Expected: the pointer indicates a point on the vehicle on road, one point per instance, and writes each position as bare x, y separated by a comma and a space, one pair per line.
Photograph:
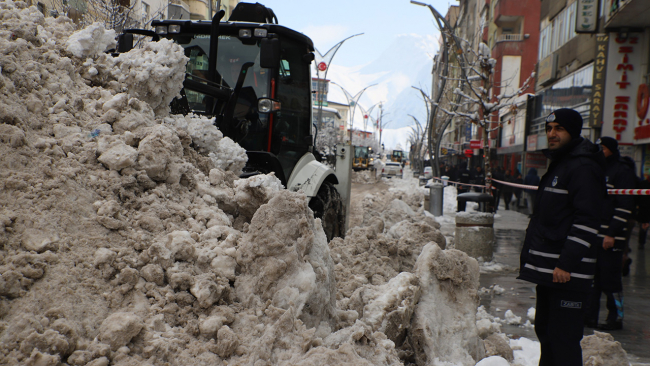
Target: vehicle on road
428, 172
362, 157
254, 76
392, 169
397, 156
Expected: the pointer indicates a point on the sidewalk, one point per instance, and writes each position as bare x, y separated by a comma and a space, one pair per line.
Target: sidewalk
519, 295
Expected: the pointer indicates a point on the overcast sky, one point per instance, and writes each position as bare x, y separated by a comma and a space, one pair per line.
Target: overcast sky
327, 22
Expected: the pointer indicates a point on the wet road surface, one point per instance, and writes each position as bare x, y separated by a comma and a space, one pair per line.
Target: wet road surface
519, 295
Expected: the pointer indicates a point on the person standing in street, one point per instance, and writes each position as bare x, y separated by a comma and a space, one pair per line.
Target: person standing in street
559, 251
518, 191
531, 179
616, 215
643, 213
498, 174
478, 177
507, 190
464, 176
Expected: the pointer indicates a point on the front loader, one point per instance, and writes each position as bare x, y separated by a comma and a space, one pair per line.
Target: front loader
254, 77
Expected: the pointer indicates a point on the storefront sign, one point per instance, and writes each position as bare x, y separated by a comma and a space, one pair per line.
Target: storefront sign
475, 144
535, 160
598, 90
546, 69
642, 131
532, 143
469, 152
587, 16
624, 73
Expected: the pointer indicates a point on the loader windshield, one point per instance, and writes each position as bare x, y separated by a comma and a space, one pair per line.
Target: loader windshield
286, 133
250, 128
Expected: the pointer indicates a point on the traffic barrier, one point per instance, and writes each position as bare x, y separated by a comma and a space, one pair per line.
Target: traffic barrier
620, 192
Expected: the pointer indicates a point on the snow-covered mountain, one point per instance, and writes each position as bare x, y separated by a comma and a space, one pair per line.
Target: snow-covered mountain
405, 62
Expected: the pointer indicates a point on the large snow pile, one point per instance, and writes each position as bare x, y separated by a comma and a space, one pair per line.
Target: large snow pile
127, 238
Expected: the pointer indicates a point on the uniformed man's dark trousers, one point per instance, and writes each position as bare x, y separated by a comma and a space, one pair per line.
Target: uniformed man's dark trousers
559, 323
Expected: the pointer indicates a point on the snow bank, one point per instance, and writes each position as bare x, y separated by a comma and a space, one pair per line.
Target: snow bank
126, 236
601, 349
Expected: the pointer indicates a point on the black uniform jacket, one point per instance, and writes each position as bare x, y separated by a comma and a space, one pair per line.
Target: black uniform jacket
563, 231
618, 209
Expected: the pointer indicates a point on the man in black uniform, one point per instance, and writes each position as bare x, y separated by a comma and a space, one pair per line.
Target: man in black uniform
559, 252
478, 177
617, 212
464, 176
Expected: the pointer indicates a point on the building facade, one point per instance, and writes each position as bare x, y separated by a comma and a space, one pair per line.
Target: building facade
627, 71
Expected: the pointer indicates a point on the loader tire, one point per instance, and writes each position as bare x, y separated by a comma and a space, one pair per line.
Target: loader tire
328, 207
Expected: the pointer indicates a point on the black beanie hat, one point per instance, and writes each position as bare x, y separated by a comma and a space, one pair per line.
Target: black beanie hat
570, 119
610, 143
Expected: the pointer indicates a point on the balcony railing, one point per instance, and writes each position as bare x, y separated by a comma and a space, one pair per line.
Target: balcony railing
510, 38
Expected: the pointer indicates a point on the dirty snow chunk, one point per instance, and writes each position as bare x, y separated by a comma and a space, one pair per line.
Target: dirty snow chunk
153, 73
498, 290
392, 307
511, 318
157, 151
531, 313
204, 133
493, 361
229, 156
444, 323
486, 324
118, 102
119, 156
526, 351
119, 328
91, 41
601, 349
104, 256
492, 266
285, 258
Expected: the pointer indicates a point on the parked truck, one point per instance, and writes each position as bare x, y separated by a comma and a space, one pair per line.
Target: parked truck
254, 77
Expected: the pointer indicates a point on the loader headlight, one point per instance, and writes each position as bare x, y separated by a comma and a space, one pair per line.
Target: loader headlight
175, 28
260, 32
245, 33
267, 105
161, 29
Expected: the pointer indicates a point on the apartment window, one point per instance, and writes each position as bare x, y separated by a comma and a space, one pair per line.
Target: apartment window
145, 10
560, 31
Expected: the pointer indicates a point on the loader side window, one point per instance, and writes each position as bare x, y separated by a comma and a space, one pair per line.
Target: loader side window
292, 128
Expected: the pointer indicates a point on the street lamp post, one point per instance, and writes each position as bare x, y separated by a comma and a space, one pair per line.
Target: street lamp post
323, 65
445, 31
352, 102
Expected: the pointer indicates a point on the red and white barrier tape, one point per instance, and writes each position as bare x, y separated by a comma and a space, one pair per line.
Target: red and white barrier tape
620, 192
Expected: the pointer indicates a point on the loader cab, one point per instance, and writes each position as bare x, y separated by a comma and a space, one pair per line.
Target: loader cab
275, 135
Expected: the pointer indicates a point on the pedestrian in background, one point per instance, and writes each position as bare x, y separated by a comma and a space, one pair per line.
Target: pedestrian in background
616, 213
643, 213
478, 178
464, 176
498, 174
507, 190
559, 252
518, 191
531, 179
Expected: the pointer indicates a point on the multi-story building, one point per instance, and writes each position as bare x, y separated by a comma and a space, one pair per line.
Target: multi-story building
623, 66
565, 71
513, 37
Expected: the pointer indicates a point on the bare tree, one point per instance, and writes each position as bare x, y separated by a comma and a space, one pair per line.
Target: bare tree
467, 93
113, 14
